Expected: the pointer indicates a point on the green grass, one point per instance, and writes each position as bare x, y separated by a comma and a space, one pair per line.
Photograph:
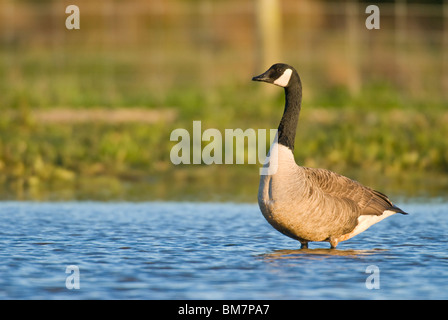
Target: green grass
392, 144
379, 135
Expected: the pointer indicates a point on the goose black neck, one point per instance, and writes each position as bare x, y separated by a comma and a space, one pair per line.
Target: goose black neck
288, 124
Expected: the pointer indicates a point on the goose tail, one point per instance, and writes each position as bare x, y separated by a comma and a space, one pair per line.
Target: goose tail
394, 208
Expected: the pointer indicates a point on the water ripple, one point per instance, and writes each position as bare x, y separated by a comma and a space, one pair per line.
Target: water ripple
211, 251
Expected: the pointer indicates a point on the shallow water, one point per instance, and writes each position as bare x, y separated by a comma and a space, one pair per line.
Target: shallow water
211, 251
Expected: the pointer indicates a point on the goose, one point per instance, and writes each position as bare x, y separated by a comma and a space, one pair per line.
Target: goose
311, 204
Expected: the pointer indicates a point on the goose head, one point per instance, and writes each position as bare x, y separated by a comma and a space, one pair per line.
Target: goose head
279, 74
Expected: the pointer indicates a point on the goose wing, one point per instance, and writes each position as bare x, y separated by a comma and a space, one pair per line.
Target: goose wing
365, 199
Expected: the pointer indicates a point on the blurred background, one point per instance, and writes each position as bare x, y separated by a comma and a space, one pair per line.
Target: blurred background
87, 114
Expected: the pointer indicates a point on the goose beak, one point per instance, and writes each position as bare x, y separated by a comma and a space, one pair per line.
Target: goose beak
262, 77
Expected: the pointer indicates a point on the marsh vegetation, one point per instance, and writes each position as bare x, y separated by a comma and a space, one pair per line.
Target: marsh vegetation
87, 114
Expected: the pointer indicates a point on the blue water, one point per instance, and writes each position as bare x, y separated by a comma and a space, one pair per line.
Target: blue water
211, 251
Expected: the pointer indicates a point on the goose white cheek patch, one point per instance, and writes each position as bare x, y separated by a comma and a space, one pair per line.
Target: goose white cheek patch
284, 79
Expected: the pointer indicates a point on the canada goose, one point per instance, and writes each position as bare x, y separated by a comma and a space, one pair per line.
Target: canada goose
310, 204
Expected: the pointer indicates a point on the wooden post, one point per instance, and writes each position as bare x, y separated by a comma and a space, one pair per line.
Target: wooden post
268, 34
353, 25
58, 29
445, 49
268, 18
108, 43
9, 47
205, 49
400, 24
7, 19
400, 11
109, 31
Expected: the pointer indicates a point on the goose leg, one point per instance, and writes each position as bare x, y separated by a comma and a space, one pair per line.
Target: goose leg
304, 245
333, 242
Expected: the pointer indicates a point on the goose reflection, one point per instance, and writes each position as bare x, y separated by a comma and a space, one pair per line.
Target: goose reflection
317, 253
